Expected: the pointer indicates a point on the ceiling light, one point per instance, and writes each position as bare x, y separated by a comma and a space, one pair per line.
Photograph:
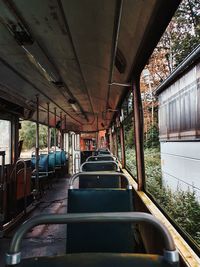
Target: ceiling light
72, 102
40, 60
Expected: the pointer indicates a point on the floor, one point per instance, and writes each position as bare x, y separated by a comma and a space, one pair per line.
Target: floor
44, 239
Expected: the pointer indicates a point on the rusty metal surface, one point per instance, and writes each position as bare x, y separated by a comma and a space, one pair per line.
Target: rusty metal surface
44, 239
74, 39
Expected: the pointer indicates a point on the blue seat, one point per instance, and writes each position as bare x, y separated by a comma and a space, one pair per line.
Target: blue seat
104, 237
99, 166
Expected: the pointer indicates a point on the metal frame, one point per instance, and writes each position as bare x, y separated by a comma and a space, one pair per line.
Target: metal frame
37, 147
138, 126
48, 133
98, 174
122, 145
171, 255
2, 190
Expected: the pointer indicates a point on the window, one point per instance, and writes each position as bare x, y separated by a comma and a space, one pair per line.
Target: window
27, 133
5, 139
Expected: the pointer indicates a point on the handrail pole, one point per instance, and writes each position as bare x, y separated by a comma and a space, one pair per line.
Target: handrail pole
48, 132
37, 146
2, 189
55, 129
61, 132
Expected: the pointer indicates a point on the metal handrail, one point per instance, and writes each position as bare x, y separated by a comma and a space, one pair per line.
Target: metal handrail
13, 257
99, 162
100, 173
2, 186
77, 157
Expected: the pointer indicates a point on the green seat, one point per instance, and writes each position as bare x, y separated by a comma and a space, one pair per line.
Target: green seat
89, 166
99, 181
98, 260
104, 237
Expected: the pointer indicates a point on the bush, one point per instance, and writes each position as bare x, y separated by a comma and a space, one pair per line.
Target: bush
152, 139
182, 206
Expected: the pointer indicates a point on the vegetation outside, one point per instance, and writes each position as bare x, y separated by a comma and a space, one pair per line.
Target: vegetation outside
181, 206
28, 132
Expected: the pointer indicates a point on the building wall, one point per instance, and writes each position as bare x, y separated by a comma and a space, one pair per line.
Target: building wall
179, 130
179, 108
180, 163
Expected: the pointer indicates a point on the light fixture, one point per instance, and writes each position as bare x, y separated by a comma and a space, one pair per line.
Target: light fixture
38, 58
72, 102
34, 52
120, 84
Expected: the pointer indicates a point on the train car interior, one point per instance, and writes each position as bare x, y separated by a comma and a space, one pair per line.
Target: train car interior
66, 67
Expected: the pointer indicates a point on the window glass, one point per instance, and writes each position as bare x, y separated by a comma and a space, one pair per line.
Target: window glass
5, 139
27, 134
172, 160
130, 158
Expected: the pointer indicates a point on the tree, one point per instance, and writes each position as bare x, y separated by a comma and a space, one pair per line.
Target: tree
28, 135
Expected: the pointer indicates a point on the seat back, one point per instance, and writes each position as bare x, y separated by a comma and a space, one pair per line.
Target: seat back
43, 162
104, 237
89, 166
52, 161
99, 181
63, 157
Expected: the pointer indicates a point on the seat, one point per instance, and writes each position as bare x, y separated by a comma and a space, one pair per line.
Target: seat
99, 166
104, 237
100, 181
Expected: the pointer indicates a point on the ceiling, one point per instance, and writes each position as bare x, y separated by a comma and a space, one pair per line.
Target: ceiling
67, 53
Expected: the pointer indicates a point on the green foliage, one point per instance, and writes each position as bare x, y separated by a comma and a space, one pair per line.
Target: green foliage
152, 139
186, 32
28, 135
182, 206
